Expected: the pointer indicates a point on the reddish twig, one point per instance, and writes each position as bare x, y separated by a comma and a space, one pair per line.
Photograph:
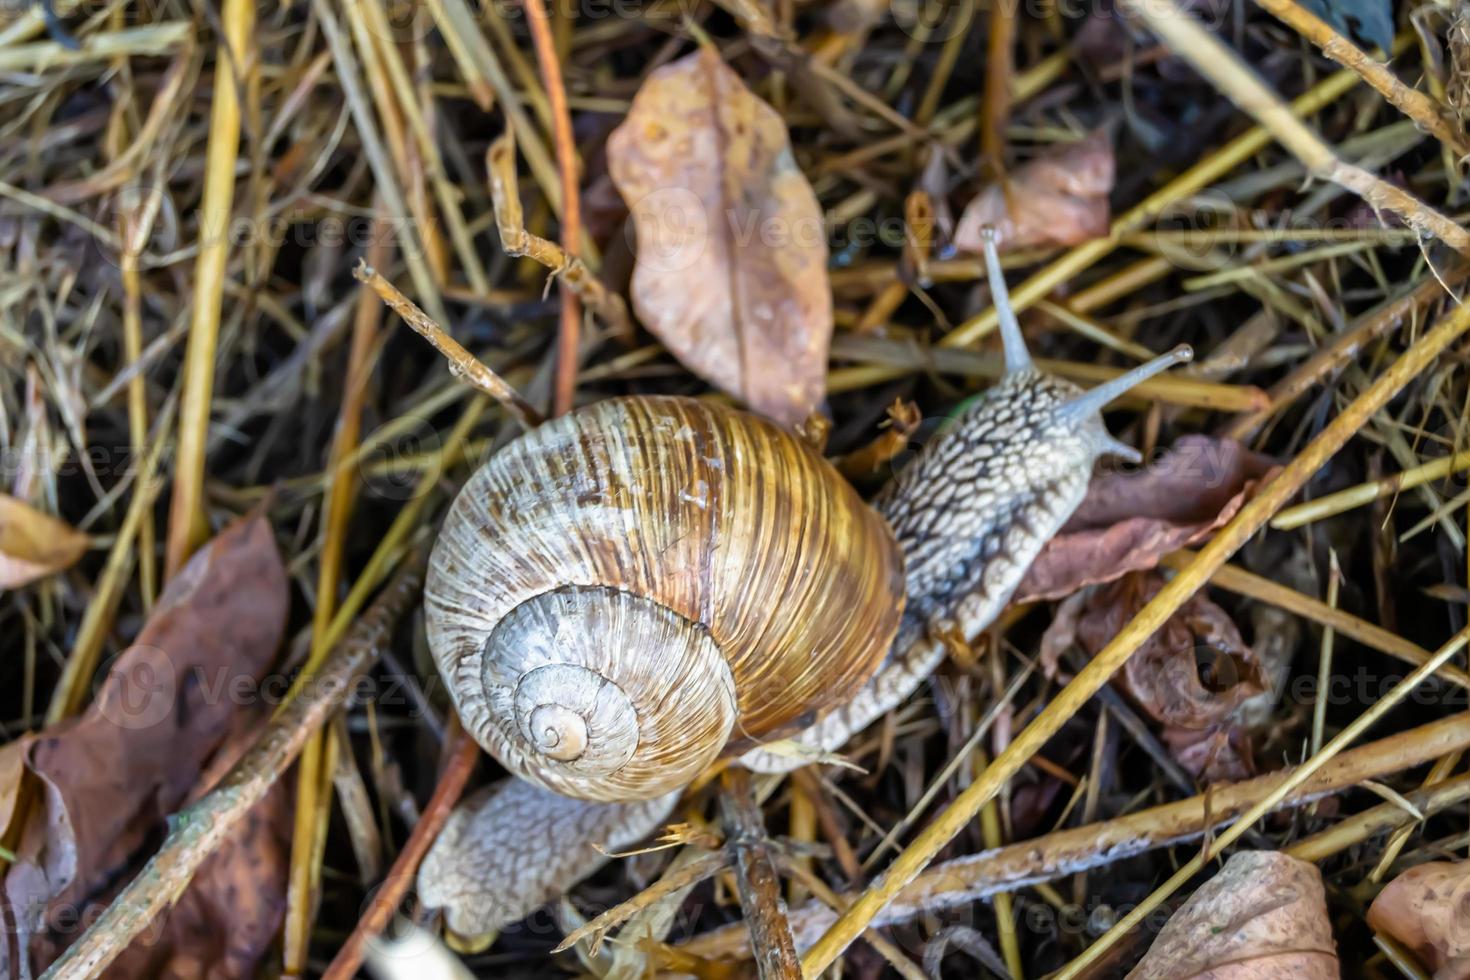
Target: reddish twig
464, 755
564, 391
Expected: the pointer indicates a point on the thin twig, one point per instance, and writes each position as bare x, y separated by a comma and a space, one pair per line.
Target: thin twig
895, 956
155, 40
1431, 798
462, 364
134, 227
1365, 493
462, 758
1411, 102
1438, 773
756, 879
564, 391
700, 869
1167, 388
500, 164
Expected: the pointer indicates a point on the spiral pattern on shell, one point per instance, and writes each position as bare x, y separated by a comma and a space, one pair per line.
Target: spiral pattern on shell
626, 593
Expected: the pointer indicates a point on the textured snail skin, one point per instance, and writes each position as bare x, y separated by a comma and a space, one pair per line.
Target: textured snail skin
625, 593
483, 890
971, 513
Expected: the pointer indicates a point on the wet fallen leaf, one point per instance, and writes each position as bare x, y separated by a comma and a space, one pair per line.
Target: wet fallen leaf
110, 777
1059, 198
1427, 910
1130, 519
731, 270
1190, 676
1261, 917
33, 544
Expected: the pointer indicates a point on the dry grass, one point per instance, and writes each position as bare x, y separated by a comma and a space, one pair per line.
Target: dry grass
184, 196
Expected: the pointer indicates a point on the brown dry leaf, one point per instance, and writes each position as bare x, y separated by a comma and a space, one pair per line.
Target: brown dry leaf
731, 271
1427, 910
228, 917
1221, 754
12, 771
1128, 521
1190, 676
33, 544
111, 776
1261, 917
1058, 199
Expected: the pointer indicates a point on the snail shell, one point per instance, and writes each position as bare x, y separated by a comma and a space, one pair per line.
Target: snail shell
631, 590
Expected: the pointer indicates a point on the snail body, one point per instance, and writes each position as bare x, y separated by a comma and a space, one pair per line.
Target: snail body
629, 591
969, 514
972, 512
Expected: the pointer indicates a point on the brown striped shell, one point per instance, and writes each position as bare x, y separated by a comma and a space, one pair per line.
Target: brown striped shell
629, 591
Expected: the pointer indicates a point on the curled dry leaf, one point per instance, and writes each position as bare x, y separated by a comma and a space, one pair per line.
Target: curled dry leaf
33, 544
1059, 198
1129, 520
731, 271
513, 847
110, 777
1261, 917
1191, 675
1427, 910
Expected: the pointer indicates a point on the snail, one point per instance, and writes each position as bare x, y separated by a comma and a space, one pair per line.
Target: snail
635, 588
664, 556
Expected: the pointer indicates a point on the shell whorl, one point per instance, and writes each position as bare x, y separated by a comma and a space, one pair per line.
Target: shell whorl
625, 593
589, 714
